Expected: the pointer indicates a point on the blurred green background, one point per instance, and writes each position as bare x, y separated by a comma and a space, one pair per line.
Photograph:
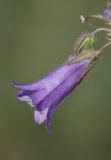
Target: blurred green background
36, 36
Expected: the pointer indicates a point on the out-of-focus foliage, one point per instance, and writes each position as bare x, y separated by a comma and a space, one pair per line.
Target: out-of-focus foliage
35, 37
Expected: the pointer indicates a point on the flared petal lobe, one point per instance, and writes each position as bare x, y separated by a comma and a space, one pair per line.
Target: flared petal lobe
40, 117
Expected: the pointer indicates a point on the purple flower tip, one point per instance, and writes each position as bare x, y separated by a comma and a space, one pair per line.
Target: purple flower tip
46, 94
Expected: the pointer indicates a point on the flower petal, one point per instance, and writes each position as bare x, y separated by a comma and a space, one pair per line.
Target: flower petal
34, 86
25, 95
62, 90
50, 81
49, 118
40, 117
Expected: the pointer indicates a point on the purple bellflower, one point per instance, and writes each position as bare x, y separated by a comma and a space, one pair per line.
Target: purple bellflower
46, 94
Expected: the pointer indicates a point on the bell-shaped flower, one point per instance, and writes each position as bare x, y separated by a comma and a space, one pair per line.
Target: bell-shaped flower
46, 94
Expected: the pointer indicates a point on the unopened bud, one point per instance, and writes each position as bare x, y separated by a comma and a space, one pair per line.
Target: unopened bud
84, 43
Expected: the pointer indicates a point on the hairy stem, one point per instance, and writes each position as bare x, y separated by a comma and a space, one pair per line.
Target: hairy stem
101, 30
103, 47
